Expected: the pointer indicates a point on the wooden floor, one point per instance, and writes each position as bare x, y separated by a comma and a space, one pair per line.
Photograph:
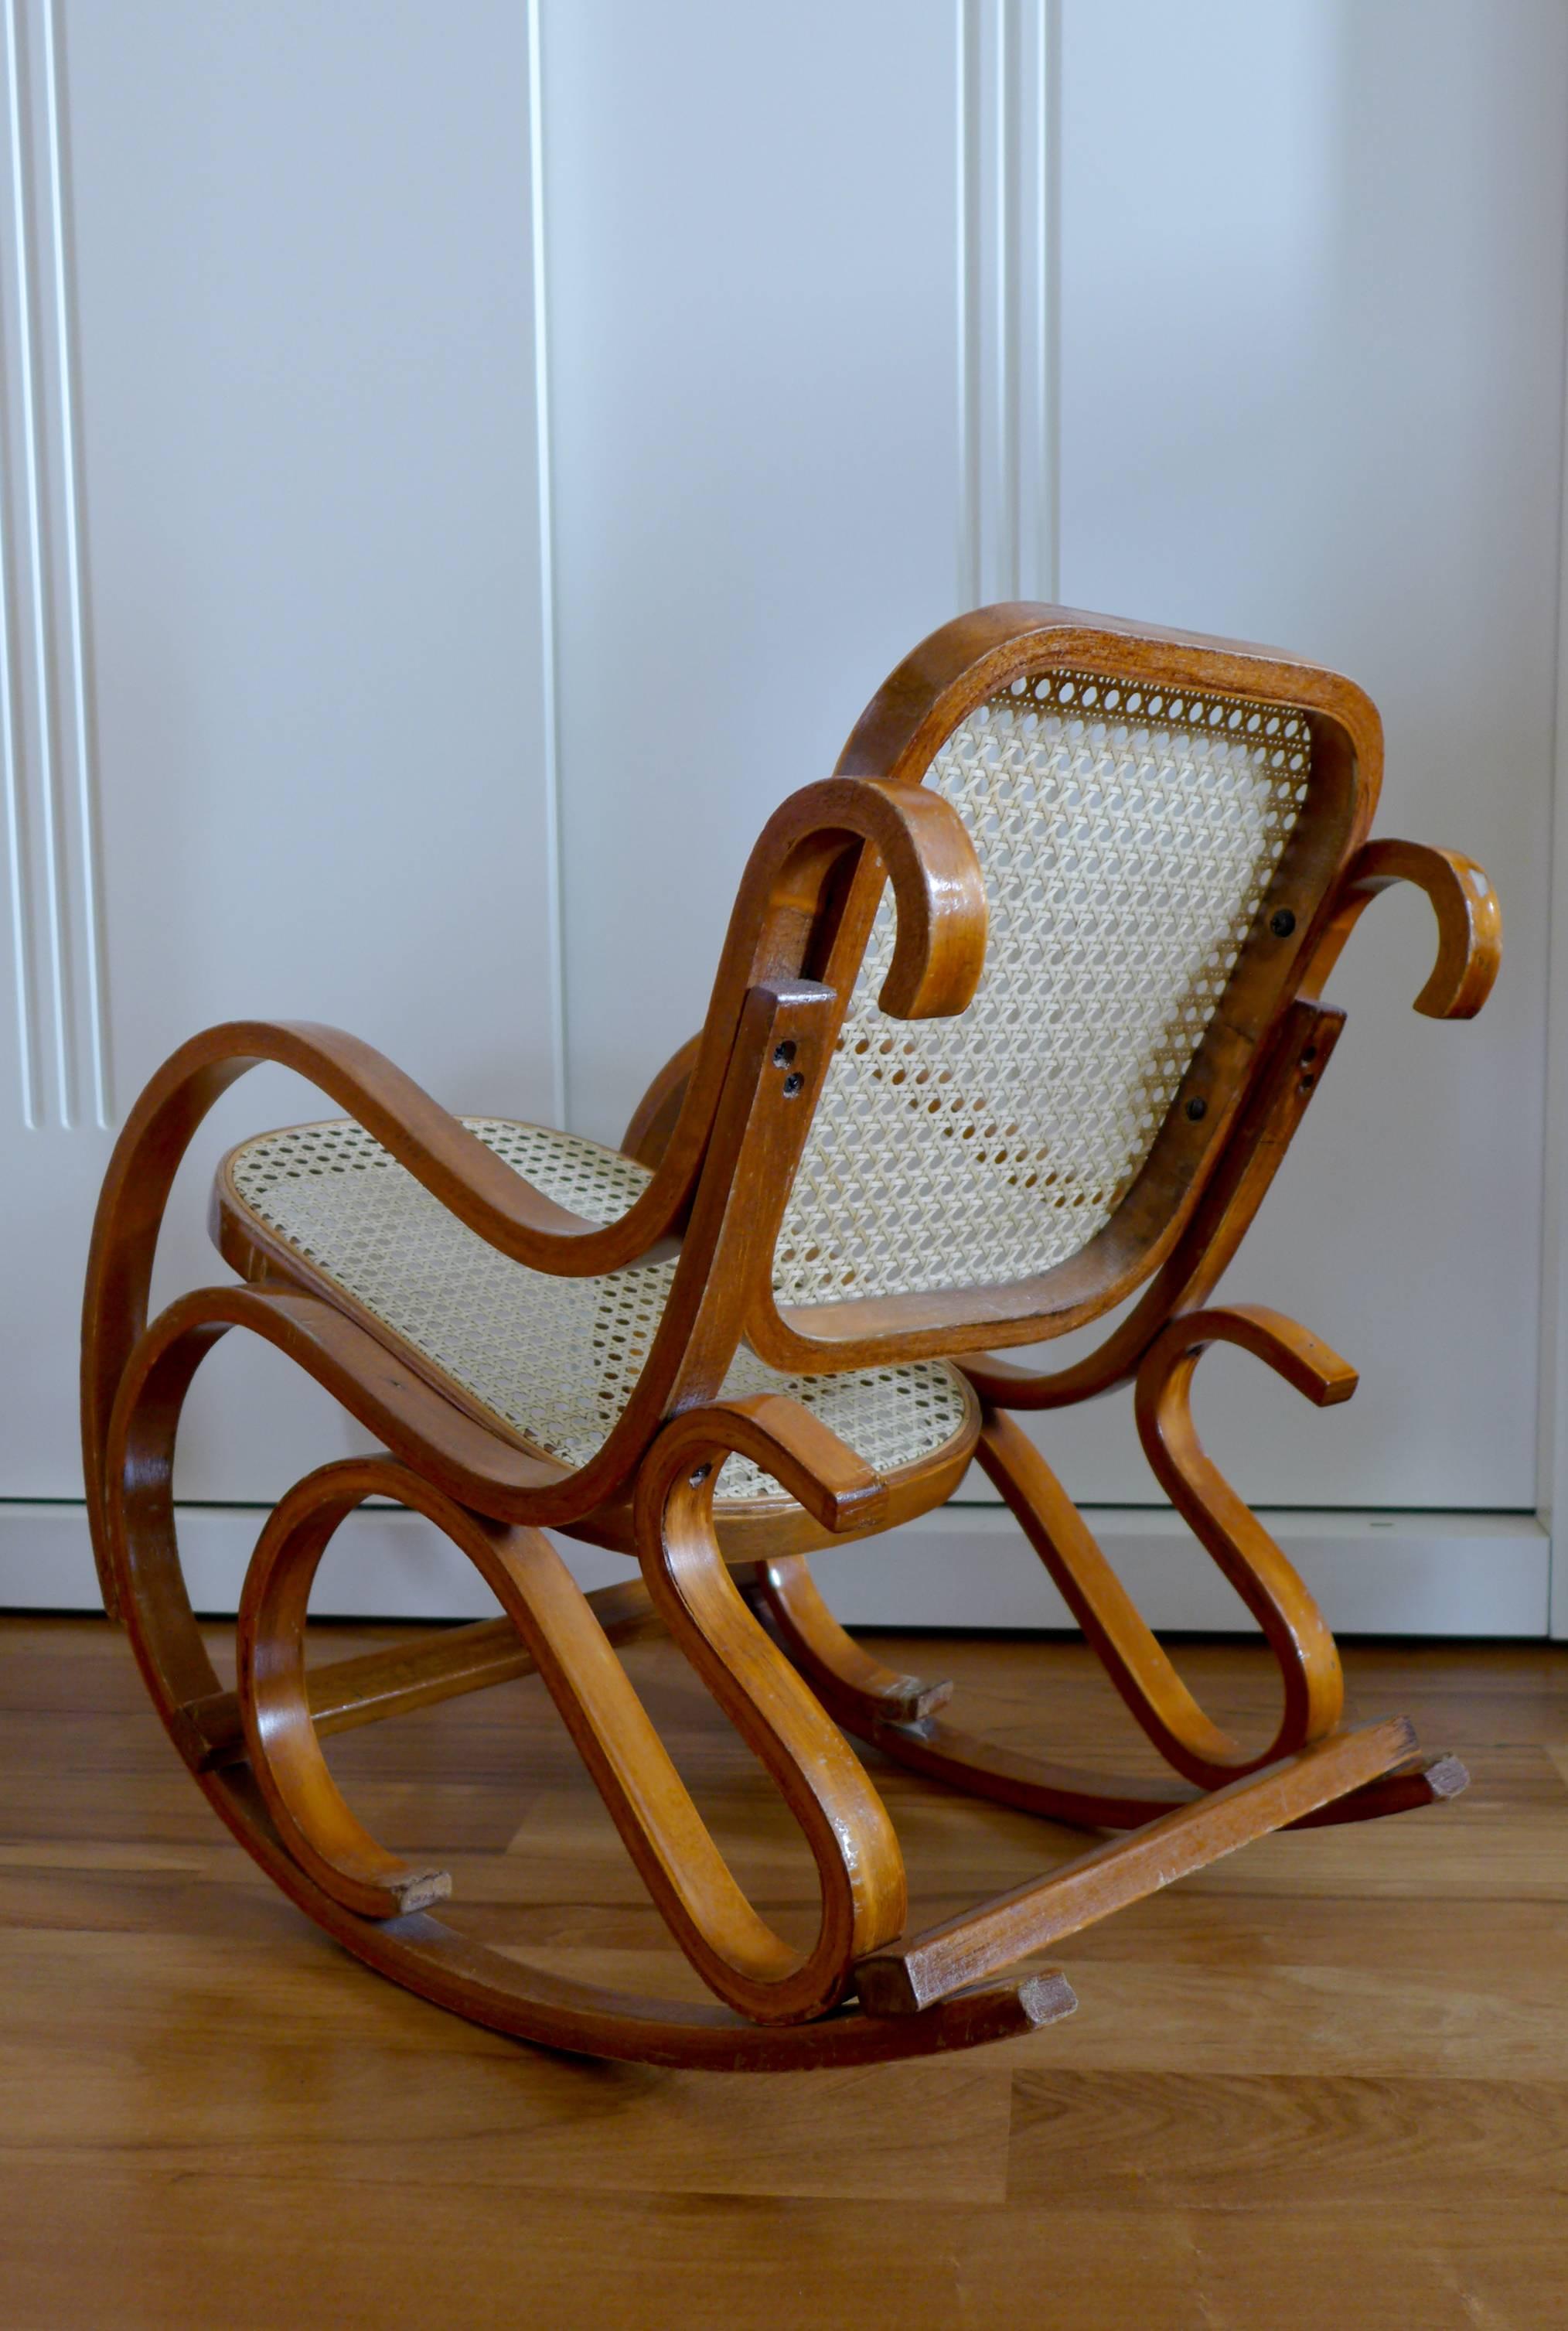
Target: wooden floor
1325, 2085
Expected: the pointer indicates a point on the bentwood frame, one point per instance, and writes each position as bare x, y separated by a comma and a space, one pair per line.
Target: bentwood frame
722, 1132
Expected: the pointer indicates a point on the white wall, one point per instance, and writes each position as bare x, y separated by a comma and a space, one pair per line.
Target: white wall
334, 539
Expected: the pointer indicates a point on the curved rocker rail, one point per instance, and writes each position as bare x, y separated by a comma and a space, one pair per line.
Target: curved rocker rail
287, 1814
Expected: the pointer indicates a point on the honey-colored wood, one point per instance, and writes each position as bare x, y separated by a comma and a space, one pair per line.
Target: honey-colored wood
1287, 1081
899, 1715
915, 1973
1325, 2082
722, 1128
441, 1665
1469, 923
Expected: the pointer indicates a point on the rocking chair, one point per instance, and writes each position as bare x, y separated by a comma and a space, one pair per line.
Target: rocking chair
1017, 1014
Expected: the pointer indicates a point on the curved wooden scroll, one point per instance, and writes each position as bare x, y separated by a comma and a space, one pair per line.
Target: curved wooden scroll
1469, 922
413, 1949
734, 1950
1136, 1662
860, 1867
939, 950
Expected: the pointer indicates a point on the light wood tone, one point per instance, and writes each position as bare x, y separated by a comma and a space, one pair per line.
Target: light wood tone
1035, 1917
1349, 2047
435, 1666
1469, 923
1287, 1078
900, 1715
723, 1128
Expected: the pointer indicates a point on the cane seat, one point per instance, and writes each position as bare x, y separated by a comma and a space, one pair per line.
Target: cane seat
1016, 1015
553, 1360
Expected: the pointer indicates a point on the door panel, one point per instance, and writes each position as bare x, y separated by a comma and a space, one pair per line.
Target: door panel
297, 271
1246, 319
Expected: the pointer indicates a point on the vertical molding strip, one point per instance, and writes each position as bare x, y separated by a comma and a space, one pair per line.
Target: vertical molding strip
36, 766
51, 824
549, 721
1008, 298
1552, 1433
91, 918
967, 204
17, 837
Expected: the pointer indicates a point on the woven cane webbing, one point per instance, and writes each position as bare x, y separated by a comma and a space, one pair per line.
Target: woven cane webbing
1128, 835
554, 1358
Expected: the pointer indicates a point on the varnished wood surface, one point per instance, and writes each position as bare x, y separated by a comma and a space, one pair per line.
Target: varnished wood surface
1325, 2082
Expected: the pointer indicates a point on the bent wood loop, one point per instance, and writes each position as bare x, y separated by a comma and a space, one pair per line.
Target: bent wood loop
859, 1868
940, 899
736, 1951
415, 1949
1469, 922
1137, 1664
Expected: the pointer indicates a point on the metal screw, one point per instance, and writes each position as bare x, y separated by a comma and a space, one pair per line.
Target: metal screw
1282, 924
699, 1476
792, 1084
784, 1054
1197, 1106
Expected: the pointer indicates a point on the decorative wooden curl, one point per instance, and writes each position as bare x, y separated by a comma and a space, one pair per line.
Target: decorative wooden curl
1469, 922
846, 1825
1137, 1664
415, 1949
735, 1951
859, 1868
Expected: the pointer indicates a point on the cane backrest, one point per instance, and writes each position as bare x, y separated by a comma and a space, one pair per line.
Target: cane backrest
1129, 834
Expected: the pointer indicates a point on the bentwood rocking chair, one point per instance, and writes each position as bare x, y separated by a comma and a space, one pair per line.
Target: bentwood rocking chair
1017, 1014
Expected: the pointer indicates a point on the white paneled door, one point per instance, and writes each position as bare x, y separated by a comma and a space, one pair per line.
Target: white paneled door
462, 466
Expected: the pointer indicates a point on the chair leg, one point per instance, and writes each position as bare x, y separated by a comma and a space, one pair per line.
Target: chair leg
859, 1868
1204, 1757
834, 1665
414, 1948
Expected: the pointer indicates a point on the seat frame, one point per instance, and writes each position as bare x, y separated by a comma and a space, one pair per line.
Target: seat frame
723, 1128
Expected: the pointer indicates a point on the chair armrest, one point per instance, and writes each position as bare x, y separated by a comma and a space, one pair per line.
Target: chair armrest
1469, 923
657, 1113
442, 1154
938, 953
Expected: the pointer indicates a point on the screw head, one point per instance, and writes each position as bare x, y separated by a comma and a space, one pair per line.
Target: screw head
1197, 1107
1282, 923
793, 1083
698, 1475
782, 1054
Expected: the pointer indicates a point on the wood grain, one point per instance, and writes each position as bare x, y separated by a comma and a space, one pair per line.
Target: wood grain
725, 1126
1349, 2049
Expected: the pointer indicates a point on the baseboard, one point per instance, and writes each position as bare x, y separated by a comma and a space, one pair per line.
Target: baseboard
1449, 1573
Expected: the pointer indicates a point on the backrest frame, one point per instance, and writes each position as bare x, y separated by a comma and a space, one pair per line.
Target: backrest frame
948, 677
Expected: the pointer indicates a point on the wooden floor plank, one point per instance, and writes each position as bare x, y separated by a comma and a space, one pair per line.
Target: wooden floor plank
1325, 2083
